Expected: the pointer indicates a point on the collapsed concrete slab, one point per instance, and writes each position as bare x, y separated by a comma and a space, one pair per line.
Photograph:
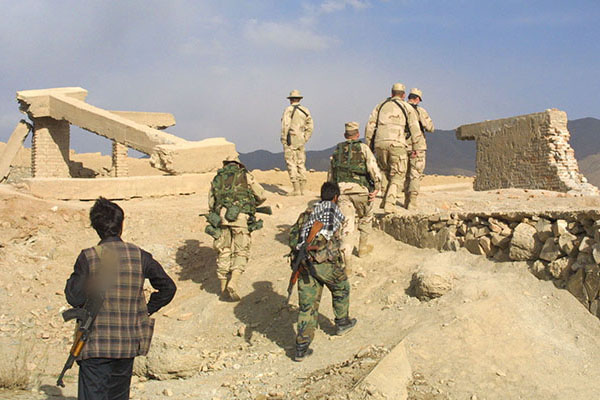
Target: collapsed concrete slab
117, 188
529, 151
56, 108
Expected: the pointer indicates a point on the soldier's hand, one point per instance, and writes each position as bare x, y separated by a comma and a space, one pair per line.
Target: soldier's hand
373, 194
413, 154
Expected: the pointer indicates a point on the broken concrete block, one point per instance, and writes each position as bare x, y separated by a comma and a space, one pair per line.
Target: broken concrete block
473, 246
559, 268
559, 227
591, 282
586, 245
14, 144
544, 229
575, 287
566, 242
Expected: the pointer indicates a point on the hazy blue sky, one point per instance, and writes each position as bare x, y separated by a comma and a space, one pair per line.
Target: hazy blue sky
224, 68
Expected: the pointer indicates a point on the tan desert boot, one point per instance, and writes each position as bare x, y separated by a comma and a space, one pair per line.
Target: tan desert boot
223, 283
412, 202
364, 248
232, 286
296, 191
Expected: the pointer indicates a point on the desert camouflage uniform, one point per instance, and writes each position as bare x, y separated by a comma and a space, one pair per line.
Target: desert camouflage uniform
391, 142
298, 129
416, 164
354, 198
233, 245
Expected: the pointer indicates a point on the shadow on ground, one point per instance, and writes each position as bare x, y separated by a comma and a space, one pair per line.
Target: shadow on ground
199, 264
283, 234
55, 393
267, 312
273, 188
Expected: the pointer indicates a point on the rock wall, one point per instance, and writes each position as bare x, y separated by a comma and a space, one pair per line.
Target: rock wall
559, 246
529, 151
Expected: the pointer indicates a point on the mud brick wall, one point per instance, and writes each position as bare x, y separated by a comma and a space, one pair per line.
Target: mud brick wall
560, 246
50, 148
528, 151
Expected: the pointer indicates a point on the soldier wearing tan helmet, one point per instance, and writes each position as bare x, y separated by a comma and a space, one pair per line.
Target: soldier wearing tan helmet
354, 169
416, 160
388, 133
296, 129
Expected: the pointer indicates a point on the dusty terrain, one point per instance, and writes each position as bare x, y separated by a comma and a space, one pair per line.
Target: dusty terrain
500, 333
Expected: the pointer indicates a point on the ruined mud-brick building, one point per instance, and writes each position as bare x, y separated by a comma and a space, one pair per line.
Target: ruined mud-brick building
529, 151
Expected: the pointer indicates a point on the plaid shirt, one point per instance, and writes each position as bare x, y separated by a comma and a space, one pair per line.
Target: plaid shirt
329, 214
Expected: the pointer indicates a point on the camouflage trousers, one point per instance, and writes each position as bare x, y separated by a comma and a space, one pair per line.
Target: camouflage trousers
233, 250
416, 166
393, 163
310, 290
295, 160
355, 206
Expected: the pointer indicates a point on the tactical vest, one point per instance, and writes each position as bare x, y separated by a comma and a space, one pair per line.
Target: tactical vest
350, 164
231, 188
122, 328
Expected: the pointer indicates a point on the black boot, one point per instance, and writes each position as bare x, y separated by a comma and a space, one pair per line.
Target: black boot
302, 351
344, 325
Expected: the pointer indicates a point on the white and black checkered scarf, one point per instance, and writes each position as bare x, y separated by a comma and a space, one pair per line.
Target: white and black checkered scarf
329, 214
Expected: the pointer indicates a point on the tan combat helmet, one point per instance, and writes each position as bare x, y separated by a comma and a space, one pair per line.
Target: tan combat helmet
398, 87
416, 92
295, 94
351, 128
232, 158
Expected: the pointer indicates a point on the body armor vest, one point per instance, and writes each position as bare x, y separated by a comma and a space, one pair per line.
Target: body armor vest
350, 164
231, 189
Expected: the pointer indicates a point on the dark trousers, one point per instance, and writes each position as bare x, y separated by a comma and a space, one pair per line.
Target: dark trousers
104, 378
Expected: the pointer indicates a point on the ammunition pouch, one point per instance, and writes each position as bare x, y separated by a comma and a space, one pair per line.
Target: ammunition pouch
232, 213
254, 224
213, 231
213, 219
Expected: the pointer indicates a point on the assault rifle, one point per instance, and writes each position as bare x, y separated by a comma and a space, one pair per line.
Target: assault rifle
85, 316
260, 210
302, 255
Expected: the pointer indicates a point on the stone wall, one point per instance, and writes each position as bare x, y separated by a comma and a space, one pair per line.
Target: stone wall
529, 151
50, 148
559, 246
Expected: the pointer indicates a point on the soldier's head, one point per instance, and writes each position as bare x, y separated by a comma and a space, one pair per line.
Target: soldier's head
351, 131
294, 96
232, 159
330, 191
415, 96
107, 218
398, 90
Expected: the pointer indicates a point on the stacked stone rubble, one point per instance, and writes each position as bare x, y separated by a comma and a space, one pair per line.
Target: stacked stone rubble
563, 247
529, 151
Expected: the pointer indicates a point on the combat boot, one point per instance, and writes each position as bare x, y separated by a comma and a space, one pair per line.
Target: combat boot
296, 191
344, 325
232, 286
364, 248
302, 351
411, 202
223, 283
302, 187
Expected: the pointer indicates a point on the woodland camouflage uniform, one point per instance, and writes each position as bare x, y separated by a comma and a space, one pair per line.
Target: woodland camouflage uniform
354, 168
234, 195
416, 161
388, 131
296, 130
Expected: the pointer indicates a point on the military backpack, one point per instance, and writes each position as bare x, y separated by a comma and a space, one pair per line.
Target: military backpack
349, 164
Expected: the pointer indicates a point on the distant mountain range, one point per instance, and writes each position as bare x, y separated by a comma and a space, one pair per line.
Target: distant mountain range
447, 155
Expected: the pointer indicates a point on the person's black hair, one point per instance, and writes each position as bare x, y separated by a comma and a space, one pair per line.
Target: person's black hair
398, 92
329, 190
106, 218
414, 96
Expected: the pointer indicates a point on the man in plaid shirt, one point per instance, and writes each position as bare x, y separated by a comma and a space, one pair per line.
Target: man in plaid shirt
321, 235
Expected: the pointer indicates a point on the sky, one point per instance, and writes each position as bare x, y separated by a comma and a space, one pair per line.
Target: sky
224, 68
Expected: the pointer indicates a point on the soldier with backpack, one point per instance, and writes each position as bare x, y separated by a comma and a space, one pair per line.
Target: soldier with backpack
232, 200
354, 168
319, 244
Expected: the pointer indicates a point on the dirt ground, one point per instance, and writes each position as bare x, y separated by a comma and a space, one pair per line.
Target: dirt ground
498, 334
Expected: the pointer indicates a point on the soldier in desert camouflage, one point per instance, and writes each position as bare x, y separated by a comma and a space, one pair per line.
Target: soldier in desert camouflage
388, 132
416, 159
354, 169
296, 130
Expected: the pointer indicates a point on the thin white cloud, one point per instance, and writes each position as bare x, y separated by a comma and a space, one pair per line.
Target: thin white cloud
329, 6
299, 36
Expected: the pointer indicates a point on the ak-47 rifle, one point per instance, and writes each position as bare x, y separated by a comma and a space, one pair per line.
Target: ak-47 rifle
302, 255
260, 210
85, 316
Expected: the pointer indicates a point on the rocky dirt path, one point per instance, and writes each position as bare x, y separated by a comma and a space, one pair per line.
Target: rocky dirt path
499, 333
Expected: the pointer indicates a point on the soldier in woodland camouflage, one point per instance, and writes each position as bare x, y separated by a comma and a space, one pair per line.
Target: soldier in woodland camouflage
390, 126
296, 130
232, 200
354, 169
320, 233
416, 159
